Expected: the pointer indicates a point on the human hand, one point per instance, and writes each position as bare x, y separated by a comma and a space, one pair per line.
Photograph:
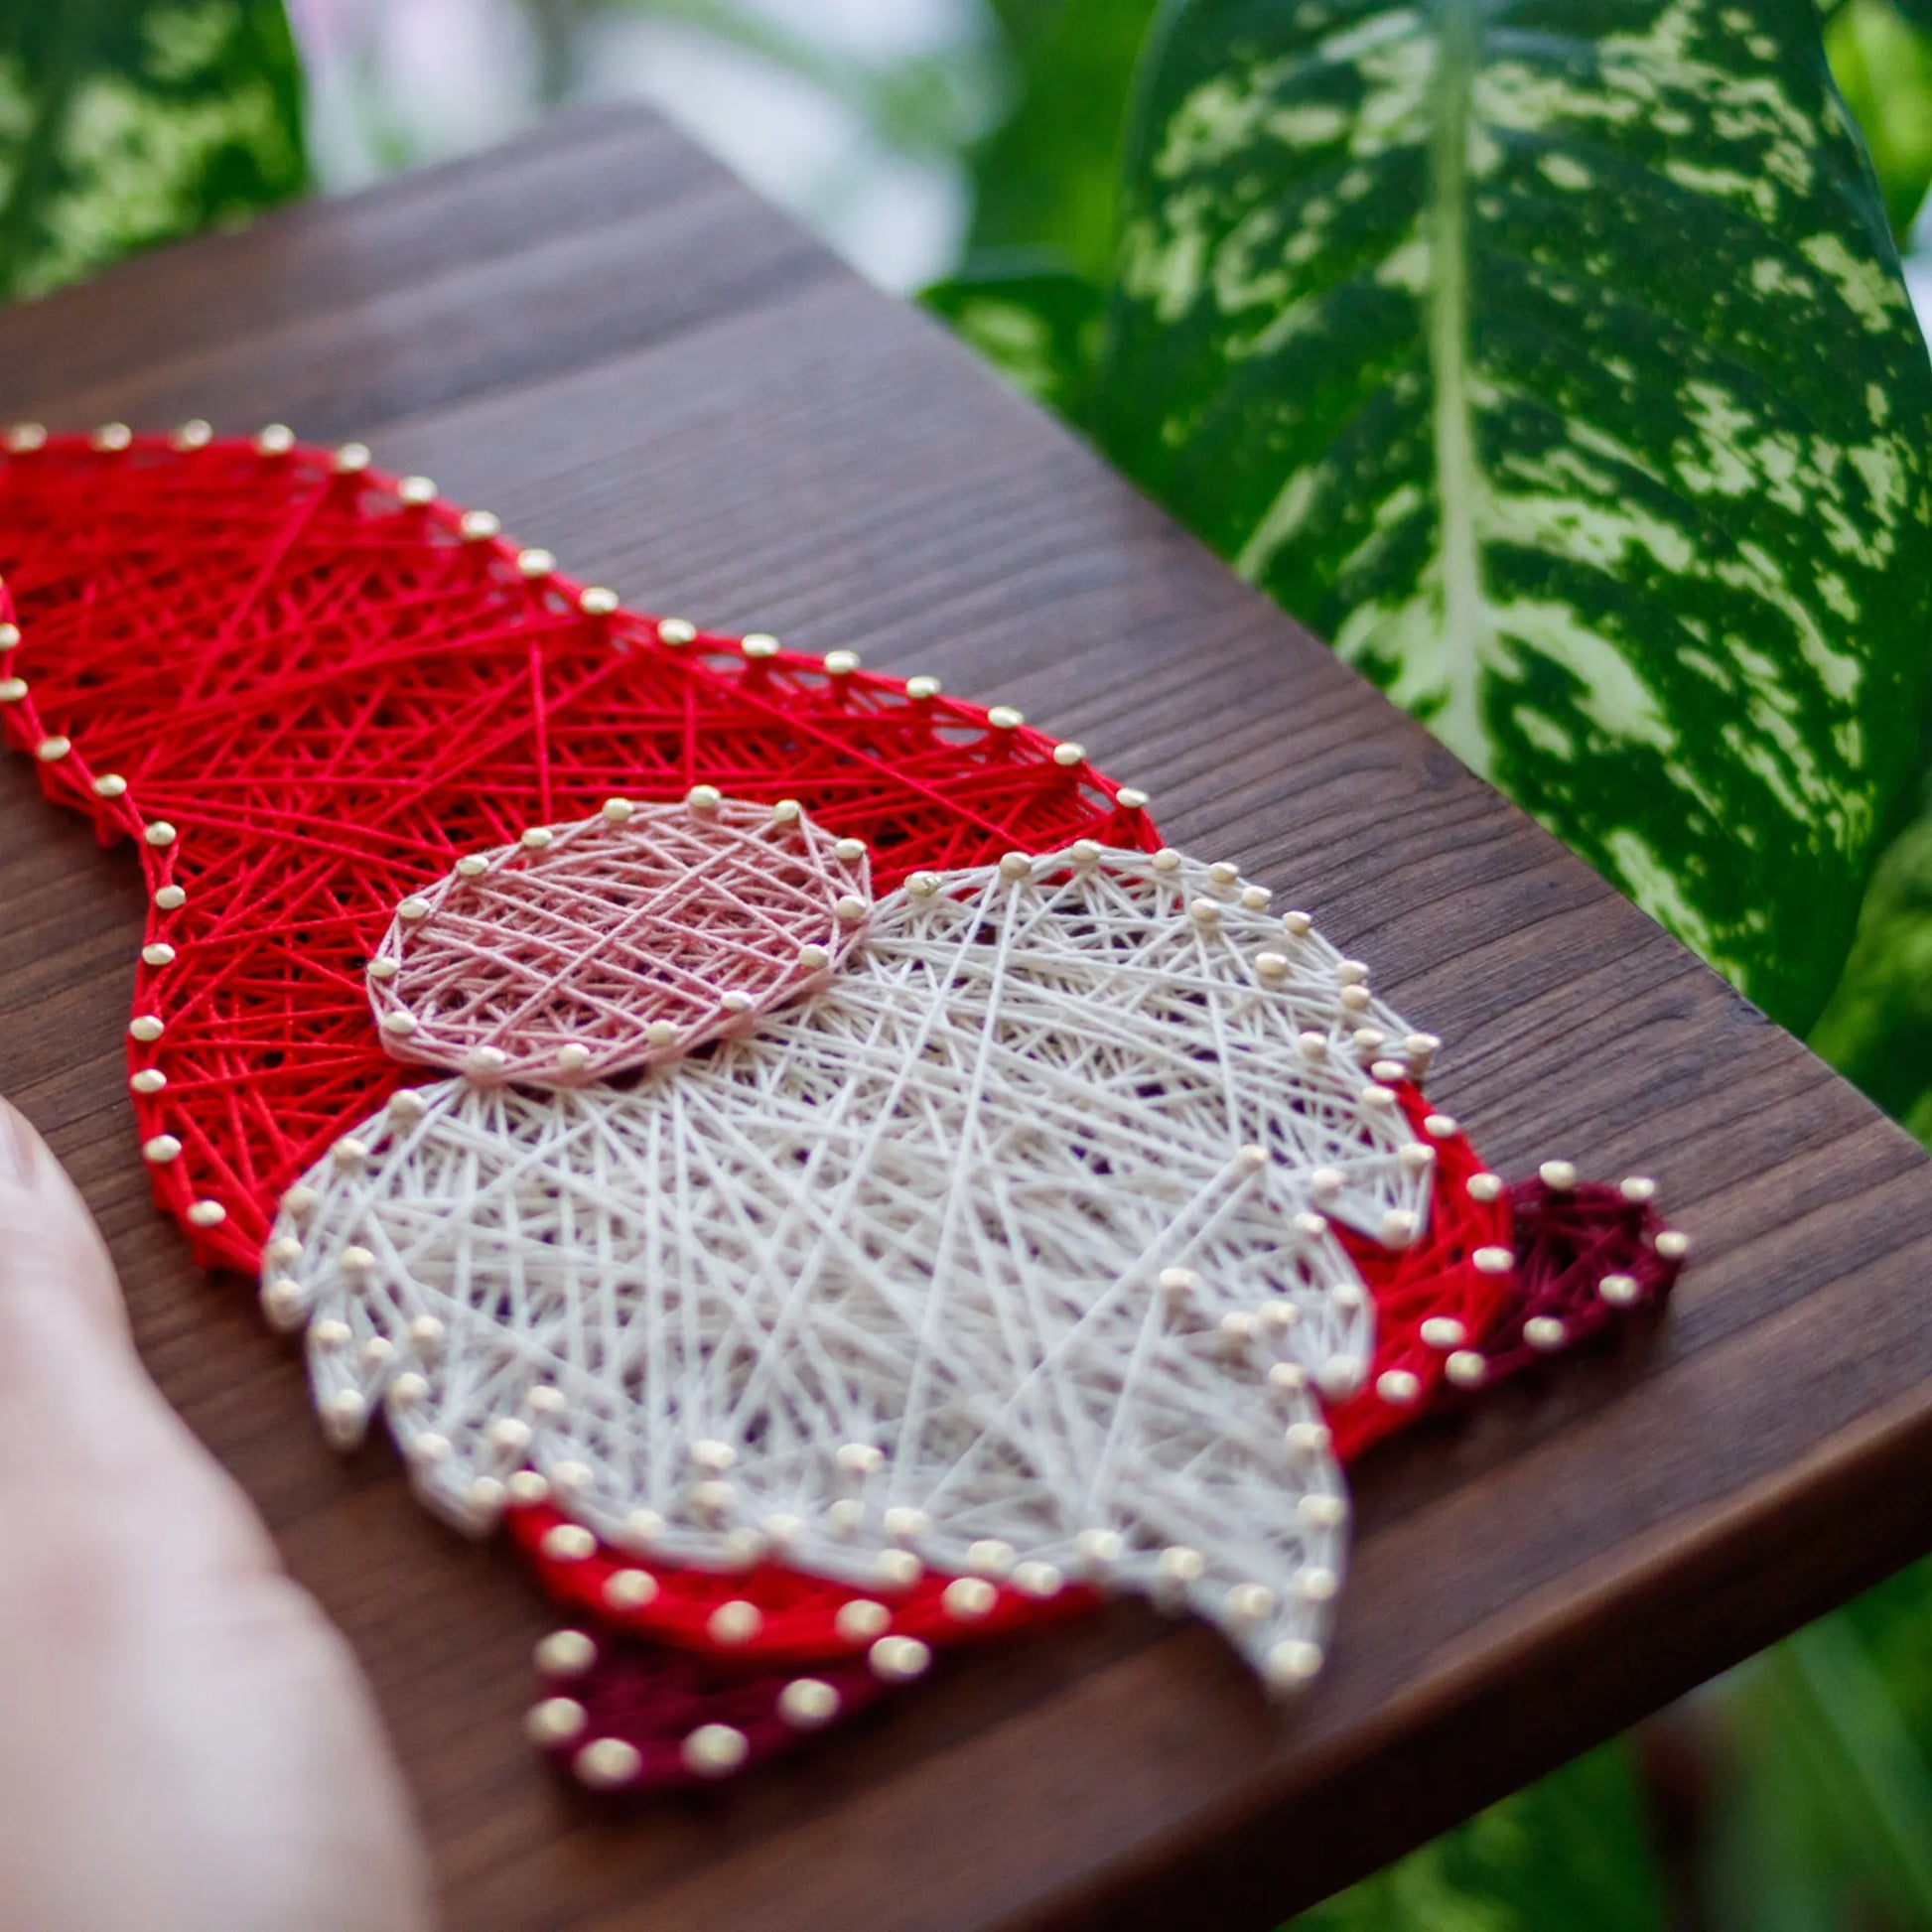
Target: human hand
188, 1745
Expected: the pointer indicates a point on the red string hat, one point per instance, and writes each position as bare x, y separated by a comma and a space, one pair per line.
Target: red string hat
363, 684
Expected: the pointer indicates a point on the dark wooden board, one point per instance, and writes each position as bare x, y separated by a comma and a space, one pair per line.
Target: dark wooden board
598, 335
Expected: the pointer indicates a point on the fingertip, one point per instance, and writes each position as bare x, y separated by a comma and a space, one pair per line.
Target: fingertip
20, 1146
50, 1248
89, 1452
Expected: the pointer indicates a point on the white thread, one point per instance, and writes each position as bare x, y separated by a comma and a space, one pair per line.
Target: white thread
926, 1212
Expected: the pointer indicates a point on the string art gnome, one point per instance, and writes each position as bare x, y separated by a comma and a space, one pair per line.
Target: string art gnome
986, 1228
799, 1146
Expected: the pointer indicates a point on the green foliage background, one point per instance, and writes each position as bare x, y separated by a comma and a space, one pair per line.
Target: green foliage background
1811, 1802
127, 122
1798, 1796
1550, 358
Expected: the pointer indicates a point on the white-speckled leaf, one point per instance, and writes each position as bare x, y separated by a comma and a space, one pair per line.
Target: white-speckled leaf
1038, 326
1552, 358
127, 122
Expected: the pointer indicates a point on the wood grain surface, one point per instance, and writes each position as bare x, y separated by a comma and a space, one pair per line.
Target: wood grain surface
602, 336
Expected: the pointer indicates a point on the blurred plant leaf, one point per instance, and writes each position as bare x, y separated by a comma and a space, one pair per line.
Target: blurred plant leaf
1552, 358
1882, 64
1570, 1854
1762, 1867
1046, 177
1894, 1624
1877, 1028
924, 105
1037, 325
1827, 1820
128, 122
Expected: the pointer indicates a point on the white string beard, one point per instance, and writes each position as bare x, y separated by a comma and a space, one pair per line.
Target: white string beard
1005, 1250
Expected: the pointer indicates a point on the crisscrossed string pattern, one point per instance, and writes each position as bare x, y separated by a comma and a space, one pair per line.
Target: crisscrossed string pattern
685, 1718
617, 1712
304, 688
618, 942
1009, 1251
1588, 1254
801, 1620
1440, 1301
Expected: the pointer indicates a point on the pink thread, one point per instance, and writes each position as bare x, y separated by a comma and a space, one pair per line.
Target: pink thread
617, 942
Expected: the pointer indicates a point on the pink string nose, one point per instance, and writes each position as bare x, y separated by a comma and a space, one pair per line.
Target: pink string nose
618, 942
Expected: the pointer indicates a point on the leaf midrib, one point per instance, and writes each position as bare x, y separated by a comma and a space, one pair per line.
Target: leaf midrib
1458, 475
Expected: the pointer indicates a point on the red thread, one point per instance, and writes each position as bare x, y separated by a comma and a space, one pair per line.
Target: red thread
1570, 1242
654, 1699
799, 1615
309, 698
1433, 1281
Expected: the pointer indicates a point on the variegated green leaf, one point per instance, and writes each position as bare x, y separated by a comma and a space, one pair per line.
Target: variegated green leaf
127, 122
1038, 326
1552, 358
